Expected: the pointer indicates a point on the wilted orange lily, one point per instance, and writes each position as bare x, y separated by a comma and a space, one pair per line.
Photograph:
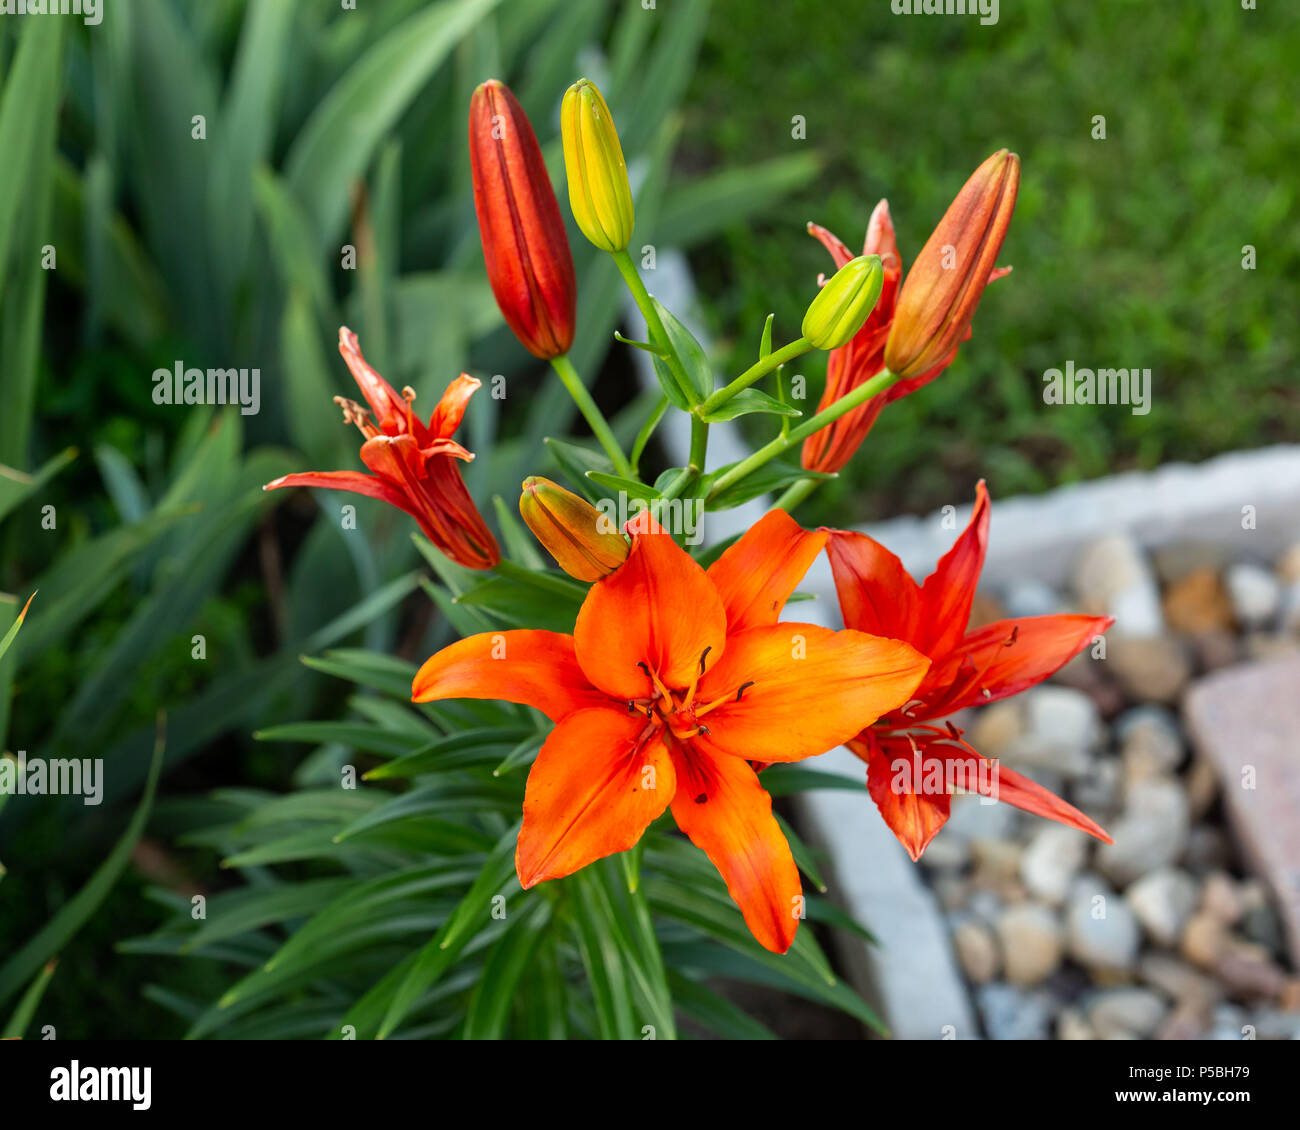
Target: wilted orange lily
674, 680
912, 762
414, 464
915, 331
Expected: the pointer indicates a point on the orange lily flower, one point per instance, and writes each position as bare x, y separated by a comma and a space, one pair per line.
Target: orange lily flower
912, 762
974, 226
414, 464
673, 681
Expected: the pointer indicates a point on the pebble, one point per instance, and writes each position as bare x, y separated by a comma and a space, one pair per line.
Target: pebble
1119, 1014
1151, 743
1248, 971
1113, 578
1229, 1023
976, 818
1098, 794
1222, 898
1179, 981
1054, 856
1102, 934
1255, 594
946, 853
1030, 940
1288, 566
1184, 1023
977, 950
998, 727
951, 890
1216, 649
1151, 833
1062, 728
1011, 1013
1267, 645
1204, 940
1071, 1024
1162, 902
1198, 603
1289, 616
985, 905
1207, 849
1175, 559
1151, 668
997, 864
1276, 1024
1202, 787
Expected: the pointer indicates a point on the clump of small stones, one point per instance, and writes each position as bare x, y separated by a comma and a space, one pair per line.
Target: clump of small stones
1163, 934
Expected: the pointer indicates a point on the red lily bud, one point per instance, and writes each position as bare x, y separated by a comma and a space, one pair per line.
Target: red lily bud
529, 263
941, 291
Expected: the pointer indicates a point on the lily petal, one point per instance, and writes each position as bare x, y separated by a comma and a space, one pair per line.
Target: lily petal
392, 412
1020, 791
533, 668
594, 789
1005, 658
792, 691
355, 482
915, 818
757, 574
451, 408
658, 608
724, 810
948, 592
877, 595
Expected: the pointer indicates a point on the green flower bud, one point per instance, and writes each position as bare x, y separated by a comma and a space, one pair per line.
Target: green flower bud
843, 305
599, 193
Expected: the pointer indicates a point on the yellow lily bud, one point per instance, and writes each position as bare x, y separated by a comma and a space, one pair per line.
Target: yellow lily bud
584, 543
843, 305
599, 193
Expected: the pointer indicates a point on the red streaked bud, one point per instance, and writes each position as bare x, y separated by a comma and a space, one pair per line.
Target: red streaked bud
527, 252
583, 541
939, 295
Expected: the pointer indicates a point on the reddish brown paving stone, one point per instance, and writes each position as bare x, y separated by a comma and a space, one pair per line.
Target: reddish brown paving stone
1248, 717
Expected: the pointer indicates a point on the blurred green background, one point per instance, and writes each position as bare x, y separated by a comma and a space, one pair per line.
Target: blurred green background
326, 128
1127, 251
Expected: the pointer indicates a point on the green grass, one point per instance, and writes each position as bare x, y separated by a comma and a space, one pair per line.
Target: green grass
1127, 251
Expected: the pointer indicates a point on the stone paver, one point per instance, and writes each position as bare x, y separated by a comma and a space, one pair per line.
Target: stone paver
1246, 722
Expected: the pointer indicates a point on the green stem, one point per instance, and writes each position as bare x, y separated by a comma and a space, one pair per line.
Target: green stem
699, 449
595, 420
796, 493
882, 381
761, 367
547, 582
654, 323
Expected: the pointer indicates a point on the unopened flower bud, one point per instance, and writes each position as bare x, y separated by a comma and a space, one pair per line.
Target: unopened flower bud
599, 193
844, 303
583, 541
941, 291
524, 245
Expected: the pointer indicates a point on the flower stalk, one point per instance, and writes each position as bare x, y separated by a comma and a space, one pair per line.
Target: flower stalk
881, 382
590, 412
